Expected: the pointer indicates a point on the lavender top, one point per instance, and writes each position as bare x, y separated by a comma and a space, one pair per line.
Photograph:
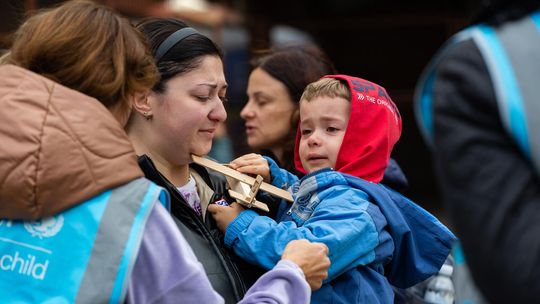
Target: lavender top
167, 271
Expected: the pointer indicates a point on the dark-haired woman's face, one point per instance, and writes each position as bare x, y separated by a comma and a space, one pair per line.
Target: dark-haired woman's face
268, 111
187, 114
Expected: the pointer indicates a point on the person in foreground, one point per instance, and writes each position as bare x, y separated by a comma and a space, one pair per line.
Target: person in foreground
478, 107
377, 237
78, 222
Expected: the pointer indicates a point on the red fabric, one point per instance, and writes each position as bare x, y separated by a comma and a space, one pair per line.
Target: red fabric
374, 127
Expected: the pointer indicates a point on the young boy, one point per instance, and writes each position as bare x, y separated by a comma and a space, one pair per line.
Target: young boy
376, 237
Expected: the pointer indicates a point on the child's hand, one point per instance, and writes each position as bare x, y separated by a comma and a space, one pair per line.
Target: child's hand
252, 164
224, 215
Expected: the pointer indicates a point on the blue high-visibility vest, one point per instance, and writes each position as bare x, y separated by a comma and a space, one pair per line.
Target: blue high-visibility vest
82, 255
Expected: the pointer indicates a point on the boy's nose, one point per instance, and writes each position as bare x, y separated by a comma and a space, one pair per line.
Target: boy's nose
314, 140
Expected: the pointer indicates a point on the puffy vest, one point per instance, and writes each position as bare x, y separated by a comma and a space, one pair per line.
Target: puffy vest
82, 255
512, 56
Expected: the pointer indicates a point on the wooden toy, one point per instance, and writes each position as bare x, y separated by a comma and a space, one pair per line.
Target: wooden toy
243, 187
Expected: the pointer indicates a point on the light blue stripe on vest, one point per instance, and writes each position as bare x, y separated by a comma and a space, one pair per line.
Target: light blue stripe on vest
493, 52
505, 83
424, 90
120, 288
513, 51
34, 256
117, 242
536, 19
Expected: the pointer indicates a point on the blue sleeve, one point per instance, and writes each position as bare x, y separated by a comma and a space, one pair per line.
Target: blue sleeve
281, 178
342, 221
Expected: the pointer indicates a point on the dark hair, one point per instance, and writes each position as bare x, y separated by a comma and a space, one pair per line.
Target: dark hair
88, 48
496, 12
295, 66
182, 57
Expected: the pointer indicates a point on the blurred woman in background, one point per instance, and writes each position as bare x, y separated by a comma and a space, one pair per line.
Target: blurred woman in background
274, 90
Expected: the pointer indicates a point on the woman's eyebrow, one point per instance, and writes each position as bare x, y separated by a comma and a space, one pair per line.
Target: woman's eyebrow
259, 94
212, 85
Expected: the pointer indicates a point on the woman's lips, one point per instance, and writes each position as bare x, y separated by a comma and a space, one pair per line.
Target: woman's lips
250, 129
209, 132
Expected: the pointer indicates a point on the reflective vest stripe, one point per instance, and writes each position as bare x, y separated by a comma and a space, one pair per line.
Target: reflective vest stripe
536, 20
117, 242
151, 198
523, 51
512, 57
495, 51
424, 89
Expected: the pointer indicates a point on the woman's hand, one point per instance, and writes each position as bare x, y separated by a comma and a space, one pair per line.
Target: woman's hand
224, 215
253, 164
311, 257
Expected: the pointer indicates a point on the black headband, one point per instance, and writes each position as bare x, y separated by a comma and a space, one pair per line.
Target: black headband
173, 39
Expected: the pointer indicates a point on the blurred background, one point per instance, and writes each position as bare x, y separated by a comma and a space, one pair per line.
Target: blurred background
387, 42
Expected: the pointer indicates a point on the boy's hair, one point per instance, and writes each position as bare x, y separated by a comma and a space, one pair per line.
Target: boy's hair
326, 87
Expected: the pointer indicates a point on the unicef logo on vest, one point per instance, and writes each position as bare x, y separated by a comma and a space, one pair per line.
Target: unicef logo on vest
46, 227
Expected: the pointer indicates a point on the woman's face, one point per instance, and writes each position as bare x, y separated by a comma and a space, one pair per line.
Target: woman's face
187, 114
268, 111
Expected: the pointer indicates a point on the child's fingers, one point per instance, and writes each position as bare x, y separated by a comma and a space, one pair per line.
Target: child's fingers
241, 160
248, 160
252, 164
260, 169
253, 168
224, 215
242, 157
215, 209
236, 206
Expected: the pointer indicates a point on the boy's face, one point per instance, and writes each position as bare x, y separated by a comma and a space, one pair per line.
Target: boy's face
323, 122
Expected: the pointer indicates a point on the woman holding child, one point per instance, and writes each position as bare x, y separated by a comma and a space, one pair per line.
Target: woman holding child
179, 118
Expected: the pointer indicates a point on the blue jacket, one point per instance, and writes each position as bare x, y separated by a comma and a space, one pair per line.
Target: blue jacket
375, 236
